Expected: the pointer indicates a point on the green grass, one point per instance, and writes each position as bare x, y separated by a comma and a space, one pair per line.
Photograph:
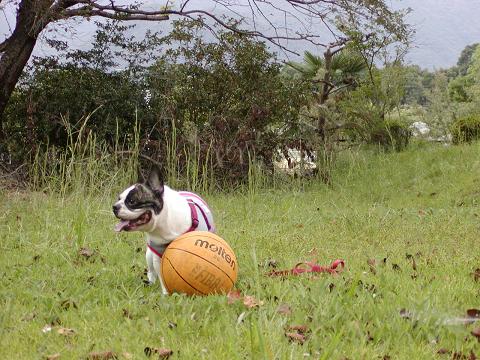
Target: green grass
421, 204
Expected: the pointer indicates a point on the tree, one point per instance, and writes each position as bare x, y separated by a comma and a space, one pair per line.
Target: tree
33, 17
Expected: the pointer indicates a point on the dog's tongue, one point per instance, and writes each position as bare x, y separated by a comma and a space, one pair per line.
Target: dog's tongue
121, 225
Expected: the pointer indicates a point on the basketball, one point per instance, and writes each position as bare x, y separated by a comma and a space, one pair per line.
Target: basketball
199, 263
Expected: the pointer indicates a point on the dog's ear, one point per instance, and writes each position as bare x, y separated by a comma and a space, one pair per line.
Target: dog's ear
140, 177
155, 181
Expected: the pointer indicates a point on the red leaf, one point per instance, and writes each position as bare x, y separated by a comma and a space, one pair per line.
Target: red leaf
296, 337
233, 296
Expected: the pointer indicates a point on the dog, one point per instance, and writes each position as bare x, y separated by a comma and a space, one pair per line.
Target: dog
163, 214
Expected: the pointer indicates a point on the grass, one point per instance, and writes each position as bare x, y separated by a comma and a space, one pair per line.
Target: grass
419, 206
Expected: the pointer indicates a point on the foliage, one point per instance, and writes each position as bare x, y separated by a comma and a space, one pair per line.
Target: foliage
465, 129
391, 135
366, 110
227, 96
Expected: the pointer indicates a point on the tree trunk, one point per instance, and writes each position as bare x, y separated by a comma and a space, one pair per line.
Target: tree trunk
326, 87
18, 48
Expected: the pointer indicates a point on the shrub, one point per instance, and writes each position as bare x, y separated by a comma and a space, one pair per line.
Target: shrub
391, 135
465, 129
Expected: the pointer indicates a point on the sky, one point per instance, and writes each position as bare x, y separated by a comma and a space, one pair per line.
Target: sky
443, 29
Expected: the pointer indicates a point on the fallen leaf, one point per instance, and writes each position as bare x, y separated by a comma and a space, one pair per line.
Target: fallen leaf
371, 265
284, 309
127, 314
102, 355
443, 351
67, 304
36, 257
172, 325
53, 357
476, 332
29, 317
233, 296
251, 302
162, 352
300, 338
414, 265
86, 252
65, 331
476, 275
395, 267
473, 313
298, 328
127, 355
404, 313
299, 226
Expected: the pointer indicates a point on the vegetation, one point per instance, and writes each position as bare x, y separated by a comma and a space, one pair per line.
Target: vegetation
466, 129
405, 223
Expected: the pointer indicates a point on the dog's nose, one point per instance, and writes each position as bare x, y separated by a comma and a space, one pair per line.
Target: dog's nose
116, 209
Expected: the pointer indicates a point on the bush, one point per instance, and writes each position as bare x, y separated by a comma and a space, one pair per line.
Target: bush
391, 135
465, 129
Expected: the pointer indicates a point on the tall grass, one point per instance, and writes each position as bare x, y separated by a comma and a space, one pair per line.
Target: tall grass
89, 166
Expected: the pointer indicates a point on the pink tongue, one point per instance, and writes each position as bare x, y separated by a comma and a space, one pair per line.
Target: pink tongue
121, 225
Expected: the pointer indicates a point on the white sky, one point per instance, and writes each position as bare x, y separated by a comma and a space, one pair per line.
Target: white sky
444, 28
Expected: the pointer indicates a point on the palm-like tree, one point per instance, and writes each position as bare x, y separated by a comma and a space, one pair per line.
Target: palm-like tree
337, 70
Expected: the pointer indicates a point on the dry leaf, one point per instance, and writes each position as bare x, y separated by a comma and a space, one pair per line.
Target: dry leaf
102, 355
127, 314
371, 265
296, 337
67, 304
284, 309
443, 351
233, 296
298, 328
66, 331
162, 352
53, 356
127, 355
476, 332
251, 302
476, 275
86, 252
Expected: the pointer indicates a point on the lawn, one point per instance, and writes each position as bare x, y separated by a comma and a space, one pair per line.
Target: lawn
407, 225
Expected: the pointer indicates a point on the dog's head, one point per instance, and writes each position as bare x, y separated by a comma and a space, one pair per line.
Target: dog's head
138, 204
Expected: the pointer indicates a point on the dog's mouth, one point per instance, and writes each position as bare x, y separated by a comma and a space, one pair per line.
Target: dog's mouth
129, 225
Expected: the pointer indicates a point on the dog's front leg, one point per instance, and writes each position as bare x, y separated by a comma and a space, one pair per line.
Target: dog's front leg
154, 264
151, 273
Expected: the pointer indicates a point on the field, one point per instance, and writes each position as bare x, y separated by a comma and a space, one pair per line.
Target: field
407, 225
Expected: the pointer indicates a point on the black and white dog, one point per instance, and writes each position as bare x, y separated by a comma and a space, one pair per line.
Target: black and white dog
163, 214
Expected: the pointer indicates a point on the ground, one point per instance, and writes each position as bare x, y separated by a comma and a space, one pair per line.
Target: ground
406, 224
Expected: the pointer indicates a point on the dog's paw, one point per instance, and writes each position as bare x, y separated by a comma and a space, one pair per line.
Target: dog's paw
152, 278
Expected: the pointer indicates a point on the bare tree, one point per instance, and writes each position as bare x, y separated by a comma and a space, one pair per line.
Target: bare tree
303, 20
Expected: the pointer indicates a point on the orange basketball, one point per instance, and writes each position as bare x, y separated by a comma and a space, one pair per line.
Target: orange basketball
199, 263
